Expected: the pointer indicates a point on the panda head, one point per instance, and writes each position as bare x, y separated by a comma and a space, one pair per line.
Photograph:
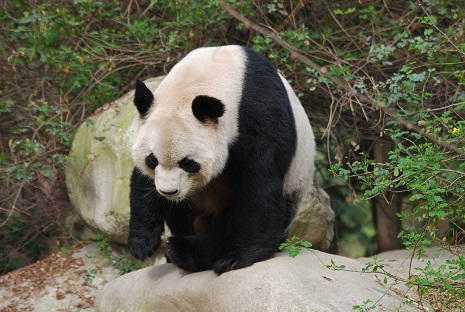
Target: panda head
180, 142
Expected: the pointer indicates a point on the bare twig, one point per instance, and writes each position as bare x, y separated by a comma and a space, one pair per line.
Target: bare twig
438, 29
13, 206
291, 16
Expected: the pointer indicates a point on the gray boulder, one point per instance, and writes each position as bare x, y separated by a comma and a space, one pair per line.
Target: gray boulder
100, 166
280, 284
315, 221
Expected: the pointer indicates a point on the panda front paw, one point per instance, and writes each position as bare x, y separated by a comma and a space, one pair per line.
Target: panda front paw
232, 261
142, 248
191, 254
181, 252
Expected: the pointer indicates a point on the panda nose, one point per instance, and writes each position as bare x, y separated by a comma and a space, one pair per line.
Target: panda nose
168, 192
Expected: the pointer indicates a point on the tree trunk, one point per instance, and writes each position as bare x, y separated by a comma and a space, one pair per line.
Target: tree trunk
385, 207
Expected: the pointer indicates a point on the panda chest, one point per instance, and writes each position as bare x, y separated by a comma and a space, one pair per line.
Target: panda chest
214, 198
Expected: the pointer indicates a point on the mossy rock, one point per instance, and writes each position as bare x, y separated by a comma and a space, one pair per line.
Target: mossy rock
100, 166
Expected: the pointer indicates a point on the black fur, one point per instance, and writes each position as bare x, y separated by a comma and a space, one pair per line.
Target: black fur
149, 211
151, 161
253, 227
206, 107
189, 165
143, 98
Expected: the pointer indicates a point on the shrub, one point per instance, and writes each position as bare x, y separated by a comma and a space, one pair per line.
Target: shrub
60, 61
372, 72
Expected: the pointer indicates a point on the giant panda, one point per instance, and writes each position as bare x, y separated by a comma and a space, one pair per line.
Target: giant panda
224, 155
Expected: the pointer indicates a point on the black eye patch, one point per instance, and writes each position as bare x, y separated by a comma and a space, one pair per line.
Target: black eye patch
189, 165
151, 161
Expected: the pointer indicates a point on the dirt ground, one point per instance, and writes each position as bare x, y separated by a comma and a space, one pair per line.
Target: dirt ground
60, 282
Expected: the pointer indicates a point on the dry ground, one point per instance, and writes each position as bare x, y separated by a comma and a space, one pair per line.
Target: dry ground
60, 282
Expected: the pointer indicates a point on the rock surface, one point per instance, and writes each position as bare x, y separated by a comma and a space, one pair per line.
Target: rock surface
69, 283
100, 166
315, 221
303, 283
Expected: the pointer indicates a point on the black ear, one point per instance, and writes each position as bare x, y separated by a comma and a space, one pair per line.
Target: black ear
143, 98
207, 108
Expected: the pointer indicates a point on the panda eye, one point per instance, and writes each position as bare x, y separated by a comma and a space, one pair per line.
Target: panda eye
189, 165
151, 161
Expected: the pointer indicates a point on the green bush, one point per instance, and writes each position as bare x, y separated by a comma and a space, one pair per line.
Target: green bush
61, 60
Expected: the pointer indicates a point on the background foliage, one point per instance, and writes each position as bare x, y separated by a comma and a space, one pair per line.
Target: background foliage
386, 72
60, 61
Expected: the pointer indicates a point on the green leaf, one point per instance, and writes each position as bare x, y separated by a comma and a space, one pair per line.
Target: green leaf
458, 277
416, 196
306, 244
47, 172
293, 251
428, 32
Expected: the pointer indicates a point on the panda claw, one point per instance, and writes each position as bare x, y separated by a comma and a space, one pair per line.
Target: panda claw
230, 262
143, 248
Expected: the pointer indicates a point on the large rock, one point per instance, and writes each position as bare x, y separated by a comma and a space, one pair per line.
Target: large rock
100, 166
315, 221
296, 284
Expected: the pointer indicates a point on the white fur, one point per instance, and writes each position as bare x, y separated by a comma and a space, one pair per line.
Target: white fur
299, 177
168, 129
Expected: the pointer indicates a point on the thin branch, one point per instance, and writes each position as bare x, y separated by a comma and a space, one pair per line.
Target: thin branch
13, 206
291, 16
438, 29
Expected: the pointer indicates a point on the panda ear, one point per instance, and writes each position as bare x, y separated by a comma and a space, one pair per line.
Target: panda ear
207, 108
143, 98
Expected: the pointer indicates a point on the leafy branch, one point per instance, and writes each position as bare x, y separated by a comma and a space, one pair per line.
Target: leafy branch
454, 271
295, 244
350, 91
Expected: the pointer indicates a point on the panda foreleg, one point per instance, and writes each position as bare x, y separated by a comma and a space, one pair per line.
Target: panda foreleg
147, 218
199, 252
258, 222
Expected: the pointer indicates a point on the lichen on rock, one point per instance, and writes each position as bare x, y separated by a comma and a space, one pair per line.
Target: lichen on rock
100, 167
